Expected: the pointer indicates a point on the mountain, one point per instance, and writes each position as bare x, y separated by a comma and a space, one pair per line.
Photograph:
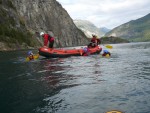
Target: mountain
104, 30
135, 30
89, 28
21, 21
113, 40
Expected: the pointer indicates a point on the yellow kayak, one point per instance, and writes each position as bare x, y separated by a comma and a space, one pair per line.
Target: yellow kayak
33, 57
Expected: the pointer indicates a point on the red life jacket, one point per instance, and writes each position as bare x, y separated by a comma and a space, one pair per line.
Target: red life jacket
51, 39
93, 40
98, 41
47, 38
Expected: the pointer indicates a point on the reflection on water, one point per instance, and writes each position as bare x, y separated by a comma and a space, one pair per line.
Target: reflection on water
77, 84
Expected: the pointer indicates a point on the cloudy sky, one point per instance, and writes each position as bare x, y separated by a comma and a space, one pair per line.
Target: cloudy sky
106, 13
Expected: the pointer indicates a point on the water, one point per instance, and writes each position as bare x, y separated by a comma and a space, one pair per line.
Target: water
77, 84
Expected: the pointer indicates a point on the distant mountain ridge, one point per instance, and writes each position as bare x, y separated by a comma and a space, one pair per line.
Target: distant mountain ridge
104, 30
89, 28
135, 30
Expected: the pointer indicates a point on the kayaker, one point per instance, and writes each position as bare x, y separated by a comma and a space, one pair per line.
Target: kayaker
106, 53
30, 55
47, 38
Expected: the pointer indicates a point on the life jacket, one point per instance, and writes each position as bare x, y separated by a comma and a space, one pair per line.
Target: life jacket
50, 38
31, 57
106, 53
98, 41
47, 38
94, 40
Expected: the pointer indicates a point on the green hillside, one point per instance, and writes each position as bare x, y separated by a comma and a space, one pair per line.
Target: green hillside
113, 40
135, 30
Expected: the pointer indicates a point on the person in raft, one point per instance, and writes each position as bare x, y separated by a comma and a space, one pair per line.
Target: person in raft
106, 53
95, 41
47, 38
98, 40
86, 51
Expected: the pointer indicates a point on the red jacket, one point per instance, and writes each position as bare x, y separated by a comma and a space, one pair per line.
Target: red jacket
47, 38
94, 40
98, 41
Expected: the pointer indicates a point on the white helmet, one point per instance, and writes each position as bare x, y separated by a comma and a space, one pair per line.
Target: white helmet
42, 33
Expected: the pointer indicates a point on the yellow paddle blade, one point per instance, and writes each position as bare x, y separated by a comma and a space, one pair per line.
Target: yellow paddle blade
109, 46
114, 111
36, 56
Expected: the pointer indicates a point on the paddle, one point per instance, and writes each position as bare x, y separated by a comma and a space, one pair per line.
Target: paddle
108, 46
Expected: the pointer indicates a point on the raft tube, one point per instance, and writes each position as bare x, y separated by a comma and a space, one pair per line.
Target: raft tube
62, 53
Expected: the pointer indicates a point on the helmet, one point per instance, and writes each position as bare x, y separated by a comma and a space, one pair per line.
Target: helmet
105, 51
42, 33
93, 35
29, 53
85, 49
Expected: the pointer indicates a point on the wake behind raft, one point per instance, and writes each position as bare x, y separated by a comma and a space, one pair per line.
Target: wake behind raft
62, 53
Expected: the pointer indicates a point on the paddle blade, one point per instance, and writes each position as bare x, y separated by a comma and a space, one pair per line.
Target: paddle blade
109, 46
36, 56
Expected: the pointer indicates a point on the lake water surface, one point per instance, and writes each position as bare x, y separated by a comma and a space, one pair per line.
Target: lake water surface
90, 84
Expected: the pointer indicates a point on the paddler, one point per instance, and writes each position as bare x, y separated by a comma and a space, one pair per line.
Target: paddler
106, 53
30, 55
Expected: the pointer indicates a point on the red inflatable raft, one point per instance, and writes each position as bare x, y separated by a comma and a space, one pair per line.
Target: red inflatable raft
61, 53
